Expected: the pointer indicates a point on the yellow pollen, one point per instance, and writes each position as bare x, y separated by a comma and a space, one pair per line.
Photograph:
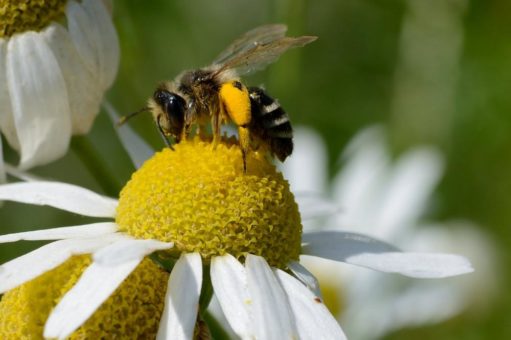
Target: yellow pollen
28, 15
132, 311
199, 198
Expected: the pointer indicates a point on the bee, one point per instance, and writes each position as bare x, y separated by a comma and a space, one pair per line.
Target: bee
216, 95
270, 123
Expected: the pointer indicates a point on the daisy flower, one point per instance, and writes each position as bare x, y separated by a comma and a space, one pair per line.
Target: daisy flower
57, 58
387, 199
217, 229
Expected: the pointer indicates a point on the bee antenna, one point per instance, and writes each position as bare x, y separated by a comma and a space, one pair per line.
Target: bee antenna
125, 118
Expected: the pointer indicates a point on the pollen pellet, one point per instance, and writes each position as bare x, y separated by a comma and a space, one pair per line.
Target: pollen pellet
198, 197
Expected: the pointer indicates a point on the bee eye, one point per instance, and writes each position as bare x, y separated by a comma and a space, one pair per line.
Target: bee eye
169, 100
161, 96
172, 103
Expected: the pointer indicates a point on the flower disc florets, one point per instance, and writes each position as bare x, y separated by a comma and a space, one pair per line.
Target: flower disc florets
198, 197
132, 312
28, 15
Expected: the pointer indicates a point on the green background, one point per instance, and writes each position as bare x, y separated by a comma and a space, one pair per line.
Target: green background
344, 81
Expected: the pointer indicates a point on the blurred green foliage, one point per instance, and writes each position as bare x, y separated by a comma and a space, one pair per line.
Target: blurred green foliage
344, 81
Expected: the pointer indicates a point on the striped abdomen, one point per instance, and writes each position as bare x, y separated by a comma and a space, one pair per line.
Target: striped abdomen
270, 123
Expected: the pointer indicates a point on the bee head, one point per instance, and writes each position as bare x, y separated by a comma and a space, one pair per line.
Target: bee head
174, 107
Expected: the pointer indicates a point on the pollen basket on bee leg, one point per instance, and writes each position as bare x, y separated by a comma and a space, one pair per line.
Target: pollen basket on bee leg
236, 102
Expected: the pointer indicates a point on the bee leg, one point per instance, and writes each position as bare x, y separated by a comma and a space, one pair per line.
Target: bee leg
182, 136
162, 134
188, 121
215, 125
201, 132
185, 132
244, 137
235, 99
244, 155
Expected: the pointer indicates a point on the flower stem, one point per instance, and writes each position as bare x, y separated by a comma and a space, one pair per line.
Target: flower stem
207, 290
96, 165
216, 329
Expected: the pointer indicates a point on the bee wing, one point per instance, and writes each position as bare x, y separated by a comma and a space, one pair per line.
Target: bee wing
257, 48
259, 35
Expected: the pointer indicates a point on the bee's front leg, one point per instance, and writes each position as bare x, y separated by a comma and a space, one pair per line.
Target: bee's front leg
162, 133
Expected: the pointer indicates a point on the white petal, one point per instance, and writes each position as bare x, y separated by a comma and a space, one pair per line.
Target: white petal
271, 310
138, 150
95, 39
107, 41
313, 205
229, 281
357, 188
367, 252
39, 100
306, 168
47, 257
421, 265
81, 32
60, 195
95, 285
81, 231
20, 174
229, 131
83, 92
400, 310
407, 191
371, 136
338, 246
307, 278
6, 117
313, 319
127, 250
182, 299
109, 6
3, 177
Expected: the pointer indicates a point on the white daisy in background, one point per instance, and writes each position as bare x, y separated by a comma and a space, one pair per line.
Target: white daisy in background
386, 199
57, 59
219, 230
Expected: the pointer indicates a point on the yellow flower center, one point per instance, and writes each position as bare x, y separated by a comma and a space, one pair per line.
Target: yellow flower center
28, 15
199, 198
132, 311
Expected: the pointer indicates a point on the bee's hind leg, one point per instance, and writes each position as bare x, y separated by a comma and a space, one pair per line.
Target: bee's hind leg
244, 140
244, 156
